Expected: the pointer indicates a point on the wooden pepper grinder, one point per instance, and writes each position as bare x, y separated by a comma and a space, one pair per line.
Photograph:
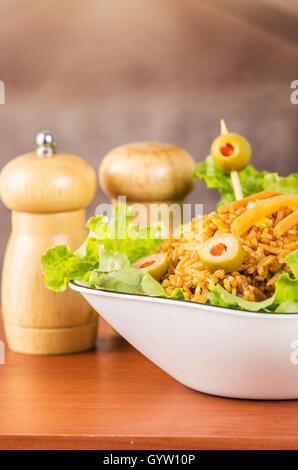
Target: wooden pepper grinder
47, 191
147, 173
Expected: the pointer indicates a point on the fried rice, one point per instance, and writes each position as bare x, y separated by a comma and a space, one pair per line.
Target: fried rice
255, 278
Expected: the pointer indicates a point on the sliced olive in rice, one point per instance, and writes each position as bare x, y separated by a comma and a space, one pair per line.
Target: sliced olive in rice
155, 264
222, 251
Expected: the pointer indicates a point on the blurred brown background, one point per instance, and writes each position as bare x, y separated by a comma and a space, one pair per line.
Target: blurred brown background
102, 73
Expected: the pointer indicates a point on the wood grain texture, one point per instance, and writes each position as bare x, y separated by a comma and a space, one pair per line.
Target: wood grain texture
147, 171
114, 398
58, 183
149, 174
47, 195
32, 313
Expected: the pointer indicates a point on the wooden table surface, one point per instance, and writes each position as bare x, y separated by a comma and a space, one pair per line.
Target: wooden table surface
114, 398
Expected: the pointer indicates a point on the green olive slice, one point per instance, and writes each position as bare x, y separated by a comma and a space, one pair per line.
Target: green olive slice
154, 264
222, 251
230, 152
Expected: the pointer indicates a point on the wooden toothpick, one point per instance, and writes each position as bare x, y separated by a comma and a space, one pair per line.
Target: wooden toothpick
234, 174
223, 127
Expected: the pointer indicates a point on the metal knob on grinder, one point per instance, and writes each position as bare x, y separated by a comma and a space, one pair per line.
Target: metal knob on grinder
46, 144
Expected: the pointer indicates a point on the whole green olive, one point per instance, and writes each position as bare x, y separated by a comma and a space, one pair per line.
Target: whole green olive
230, 152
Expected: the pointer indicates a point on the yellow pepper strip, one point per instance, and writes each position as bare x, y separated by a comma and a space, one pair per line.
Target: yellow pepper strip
262, 223
268, 193
220, 225
286, 224
260, 210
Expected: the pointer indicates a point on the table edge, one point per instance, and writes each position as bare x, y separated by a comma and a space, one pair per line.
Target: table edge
65, 442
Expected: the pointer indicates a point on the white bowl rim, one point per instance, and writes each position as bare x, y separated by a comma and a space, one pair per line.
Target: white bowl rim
186, 304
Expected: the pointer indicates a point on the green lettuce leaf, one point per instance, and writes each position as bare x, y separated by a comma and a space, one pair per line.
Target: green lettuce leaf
285, 185
287, 307
292, 260
123, 236
178, 294
286, 289
127, 280
60, 265
219, 296
109, 247
252, 181
111, 260
152, 287
284, 299
114, 273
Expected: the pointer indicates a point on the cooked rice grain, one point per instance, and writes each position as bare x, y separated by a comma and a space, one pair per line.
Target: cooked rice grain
254, 280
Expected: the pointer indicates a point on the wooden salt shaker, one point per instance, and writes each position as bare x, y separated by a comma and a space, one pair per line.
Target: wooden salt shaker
47, 191
147, 173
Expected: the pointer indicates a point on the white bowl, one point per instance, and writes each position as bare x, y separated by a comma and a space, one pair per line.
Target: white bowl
211, 349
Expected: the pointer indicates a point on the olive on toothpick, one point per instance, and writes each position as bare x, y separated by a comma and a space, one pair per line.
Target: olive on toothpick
231, 153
